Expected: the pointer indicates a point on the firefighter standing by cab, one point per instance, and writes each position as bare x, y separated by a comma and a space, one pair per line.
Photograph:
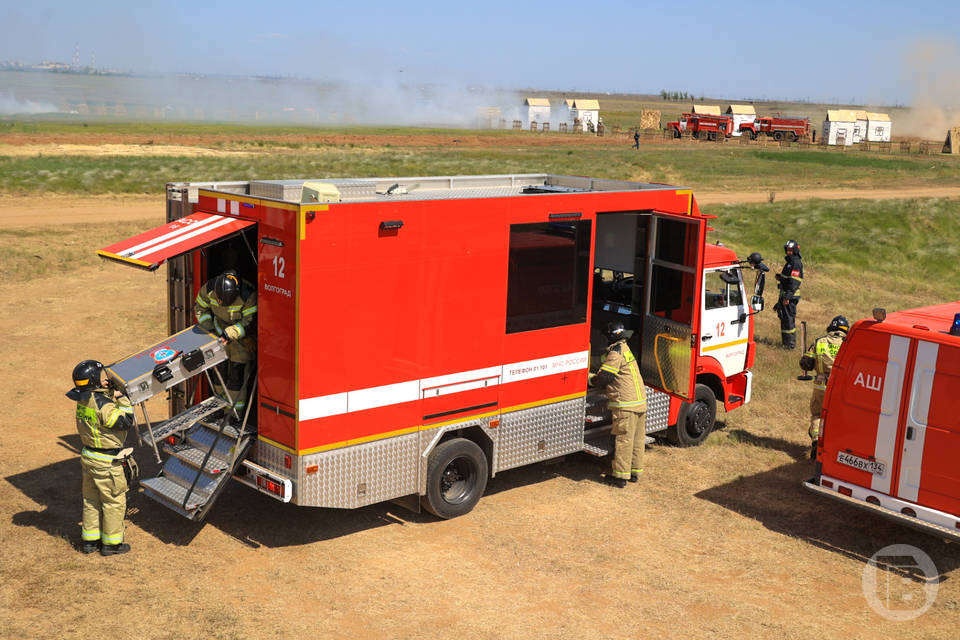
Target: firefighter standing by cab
103, 418
820, 358
620, 374
227, 307
788, 281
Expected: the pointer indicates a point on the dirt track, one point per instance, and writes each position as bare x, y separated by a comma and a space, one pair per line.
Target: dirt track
718, 541
57, 210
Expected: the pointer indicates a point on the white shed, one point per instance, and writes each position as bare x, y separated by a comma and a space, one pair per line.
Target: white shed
879, 127
859, 126
838, 127
584, 109
742, 114
536, 110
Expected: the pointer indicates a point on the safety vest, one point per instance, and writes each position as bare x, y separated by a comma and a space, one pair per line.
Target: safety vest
102, 422
626, 391
216, 317
824, 351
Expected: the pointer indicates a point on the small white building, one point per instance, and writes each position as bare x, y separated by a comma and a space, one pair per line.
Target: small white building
584, 109
742, 114
879, 127
838, 127
859, 126
535, 110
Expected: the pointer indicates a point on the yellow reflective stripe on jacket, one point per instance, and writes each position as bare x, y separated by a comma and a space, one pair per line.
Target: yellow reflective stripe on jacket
635, 374
201, 302
612, 370
248, 312
204, 318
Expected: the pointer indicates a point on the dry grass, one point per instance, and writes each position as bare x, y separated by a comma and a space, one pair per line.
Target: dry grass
718, 541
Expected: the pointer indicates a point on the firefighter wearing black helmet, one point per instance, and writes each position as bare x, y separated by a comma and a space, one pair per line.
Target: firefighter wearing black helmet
788, 281
103, 418
619, 374
820, 358
227, 307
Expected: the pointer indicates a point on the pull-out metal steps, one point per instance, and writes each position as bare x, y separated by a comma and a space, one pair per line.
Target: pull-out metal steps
183, 421
197, 469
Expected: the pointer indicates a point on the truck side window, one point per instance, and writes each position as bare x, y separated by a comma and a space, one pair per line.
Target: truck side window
721, 289
548, 275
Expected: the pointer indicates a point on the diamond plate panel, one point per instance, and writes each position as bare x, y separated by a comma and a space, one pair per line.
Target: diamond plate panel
658, 410
361, 474
541, 433
271, 457
665, 354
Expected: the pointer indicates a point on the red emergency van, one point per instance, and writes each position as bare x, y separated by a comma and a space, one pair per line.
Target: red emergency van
416, 336
890, 441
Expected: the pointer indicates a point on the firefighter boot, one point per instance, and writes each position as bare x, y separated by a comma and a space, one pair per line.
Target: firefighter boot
619, 483
114, 549
89, 546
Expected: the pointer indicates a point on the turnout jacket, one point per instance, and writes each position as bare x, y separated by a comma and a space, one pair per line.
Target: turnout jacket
821, 355
791, 276
102, 421
216, 317
620, 374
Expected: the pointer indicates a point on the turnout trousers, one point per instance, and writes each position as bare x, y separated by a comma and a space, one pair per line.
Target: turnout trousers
787, 312
104, 500
630, 437
816, 407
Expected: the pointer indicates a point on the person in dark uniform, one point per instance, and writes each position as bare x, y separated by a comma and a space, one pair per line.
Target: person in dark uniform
788, 281
636, 139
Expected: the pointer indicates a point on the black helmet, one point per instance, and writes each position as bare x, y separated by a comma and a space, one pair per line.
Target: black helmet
614, 331
791, 245
226, 287
86, 375
838, 324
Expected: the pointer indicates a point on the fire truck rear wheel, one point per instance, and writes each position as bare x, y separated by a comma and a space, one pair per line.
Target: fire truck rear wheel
792, 136
696, 419
778, 135
676, 133
456, 478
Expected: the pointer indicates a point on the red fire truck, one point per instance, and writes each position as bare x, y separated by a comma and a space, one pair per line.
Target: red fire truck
416, 336
777, 127
704, 127
891, 431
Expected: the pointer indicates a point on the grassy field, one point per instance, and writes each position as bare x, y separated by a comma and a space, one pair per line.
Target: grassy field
703, 166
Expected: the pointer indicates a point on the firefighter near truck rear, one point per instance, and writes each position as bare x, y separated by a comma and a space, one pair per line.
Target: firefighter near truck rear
417, 336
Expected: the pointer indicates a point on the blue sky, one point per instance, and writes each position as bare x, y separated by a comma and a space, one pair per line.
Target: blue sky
879, 52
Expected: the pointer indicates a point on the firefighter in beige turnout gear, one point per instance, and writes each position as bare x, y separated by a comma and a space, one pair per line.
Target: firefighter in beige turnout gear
820, 358
103, 418
227, 307
620, 374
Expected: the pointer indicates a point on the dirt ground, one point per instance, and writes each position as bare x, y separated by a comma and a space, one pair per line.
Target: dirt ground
716, 541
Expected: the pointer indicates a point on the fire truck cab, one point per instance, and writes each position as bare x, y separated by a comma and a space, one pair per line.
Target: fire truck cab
891, 432
416, 336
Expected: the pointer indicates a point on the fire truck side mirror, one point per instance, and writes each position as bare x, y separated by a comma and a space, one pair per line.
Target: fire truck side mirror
756, 303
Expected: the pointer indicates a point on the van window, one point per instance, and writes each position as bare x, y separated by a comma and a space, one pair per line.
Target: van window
718, 292
548, 275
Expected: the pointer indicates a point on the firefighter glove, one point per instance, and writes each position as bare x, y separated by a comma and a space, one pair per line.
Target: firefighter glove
232, 332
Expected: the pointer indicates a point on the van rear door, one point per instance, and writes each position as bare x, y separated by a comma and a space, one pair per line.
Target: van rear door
862, 409
929, 470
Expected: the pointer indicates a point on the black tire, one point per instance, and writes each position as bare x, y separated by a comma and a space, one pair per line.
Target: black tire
778, 135
676, 133
792, 136
696, 419
456, 478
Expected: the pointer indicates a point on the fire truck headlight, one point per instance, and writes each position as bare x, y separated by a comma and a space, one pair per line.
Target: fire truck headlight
879, 314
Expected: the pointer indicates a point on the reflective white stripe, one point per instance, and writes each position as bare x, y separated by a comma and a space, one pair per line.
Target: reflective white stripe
911, 462
889, 412
360, 399
221, 205
749, 392
194, 229
235, 207
171, 234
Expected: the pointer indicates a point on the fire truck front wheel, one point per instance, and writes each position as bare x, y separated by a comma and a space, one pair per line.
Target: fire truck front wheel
456, 478
696, 419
